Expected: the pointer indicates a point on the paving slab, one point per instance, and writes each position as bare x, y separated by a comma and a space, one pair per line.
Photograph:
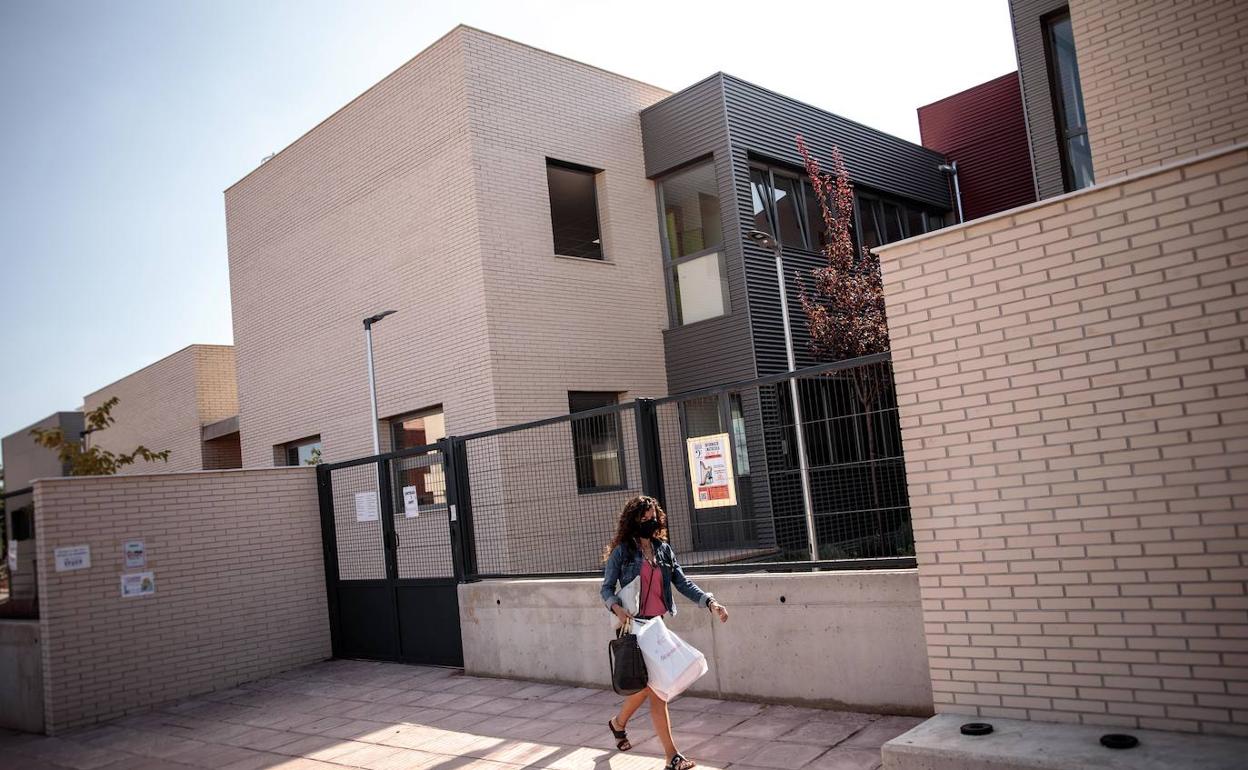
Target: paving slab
938, 744
384, 716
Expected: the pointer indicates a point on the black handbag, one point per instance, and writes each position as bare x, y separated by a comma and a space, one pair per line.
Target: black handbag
628, 668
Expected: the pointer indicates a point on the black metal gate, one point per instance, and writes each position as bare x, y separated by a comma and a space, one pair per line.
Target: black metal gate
391, 527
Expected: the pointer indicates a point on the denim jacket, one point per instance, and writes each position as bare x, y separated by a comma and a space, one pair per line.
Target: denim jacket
624, 564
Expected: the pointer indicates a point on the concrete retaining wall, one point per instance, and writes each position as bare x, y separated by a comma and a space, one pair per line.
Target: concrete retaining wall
849, 640
21, 676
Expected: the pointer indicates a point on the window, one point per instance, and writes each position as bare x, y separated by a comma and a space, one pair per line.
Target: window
785, 203
422, 471
882, 219
574, 210
785, 206
692, 239
303, 452
1068, 114
596, 443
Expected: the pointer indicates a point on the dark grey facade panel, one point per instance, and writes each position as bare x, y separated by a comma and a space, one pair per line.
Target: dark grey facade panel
1033, 74
766, 123
682, 128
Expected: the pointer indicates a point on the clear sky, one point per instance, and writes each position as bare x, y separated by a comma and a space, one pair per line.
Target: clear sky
122, 122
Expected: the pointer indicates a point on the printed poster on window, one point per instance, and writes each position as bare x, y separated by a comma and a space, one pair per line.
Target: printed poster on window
366, 506
710, 471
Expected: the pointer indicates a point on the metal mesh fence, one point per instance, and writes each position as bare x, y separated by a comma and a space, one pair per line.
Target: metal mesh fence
545, 497
357, 523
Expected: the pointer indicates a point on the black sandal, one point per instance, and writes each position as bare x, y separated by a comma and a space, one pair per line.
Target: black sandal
621, 737
679, 762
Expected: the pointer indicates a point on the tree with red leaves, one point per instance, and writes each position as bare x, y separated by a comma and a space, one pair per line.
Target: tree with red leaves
844, 305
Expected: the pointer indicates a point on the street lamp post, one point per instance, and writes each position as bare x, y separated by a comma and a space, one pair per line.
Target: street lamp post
372, 381
766, 241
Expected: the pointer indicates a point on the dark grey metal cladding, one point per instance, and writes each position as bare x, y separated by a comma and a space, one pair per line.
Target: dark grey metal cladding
1033, 74
683, 128
764, 125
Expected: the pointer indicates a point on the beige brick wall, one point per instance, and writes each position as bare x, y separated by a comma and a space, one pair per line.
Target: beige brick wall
427, 194
164, 405
240, 591
1162, 79
1074, 404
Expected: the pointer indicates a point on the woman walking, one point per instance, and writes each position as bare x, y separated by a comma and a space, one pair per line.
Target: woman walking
640, 549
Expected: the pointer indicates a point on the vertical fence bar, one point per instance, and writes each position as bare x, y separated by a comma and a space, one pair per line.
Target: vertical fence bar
459, 507
649, 453
329, 547
386, 513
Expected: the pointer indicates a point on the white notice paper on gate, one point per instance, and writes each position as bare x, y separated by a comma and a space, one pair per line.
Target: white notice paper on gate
411, 503
366, 506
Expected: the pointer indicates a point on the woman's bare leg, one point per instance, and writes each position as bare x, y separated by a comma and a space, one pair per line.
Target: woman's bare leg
629, 707
662, 723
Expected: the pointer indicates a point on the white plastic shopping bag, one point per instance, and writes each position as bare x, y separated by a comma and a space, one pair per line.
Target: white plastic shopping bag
671, 663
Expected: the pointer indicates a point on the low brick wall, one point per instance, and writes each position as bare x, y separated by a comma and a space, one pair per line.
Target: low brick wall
239, 587
1074, 406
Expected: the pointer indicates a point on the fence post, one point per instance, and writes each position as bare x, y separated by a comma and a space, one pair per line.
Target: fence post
459, 504
649, 453
329, 548
386, 503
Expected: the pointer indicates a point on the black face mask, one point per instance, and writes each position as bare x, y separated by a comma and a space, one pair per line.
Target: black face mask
648, 528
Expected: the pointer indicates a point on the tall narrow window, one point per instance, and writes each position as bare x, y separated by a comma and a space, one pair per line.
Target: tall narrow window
1072, 123
693, 237
574, 210
596, 443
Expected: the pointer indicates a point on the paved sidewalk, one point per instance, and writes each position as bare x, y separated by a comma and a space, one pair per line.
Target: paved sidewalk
386, 716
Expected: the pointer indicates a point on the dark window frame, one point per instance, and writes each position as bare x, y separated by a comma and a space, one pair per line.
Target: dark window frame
670, 264
613, 419
593, 175
1063, 135
808, 235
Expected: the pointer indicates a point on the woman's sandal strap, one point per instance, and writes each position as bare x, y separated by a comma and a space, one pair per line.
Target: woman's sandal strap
679, 762
621, 737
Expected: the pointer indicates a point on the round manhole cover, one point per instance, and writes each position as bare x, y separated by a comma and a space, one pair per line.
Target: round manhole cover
1119, 741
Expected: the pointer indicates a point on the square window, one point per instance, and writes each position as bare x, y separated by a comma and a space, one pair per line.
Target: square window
574, 210
423, 471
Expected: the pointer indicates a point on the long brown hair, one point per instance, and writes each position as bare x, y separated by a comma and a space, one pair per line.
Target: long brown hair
627, 532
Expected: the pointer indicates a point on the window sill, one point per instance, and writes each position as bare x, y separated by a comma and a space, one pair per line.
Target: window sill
567, 258
600, 490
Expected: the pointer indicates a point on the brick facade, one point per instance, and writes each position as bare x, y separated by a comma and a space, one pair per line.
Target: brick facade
1072, 385
165, 405
1161, 79
240, 591
427, 194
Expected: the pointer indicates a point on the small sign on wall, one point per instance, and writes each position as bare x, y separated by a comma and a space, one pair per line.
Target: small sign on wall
138, 584
366, 506
72, 557
136, 554
12, 556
